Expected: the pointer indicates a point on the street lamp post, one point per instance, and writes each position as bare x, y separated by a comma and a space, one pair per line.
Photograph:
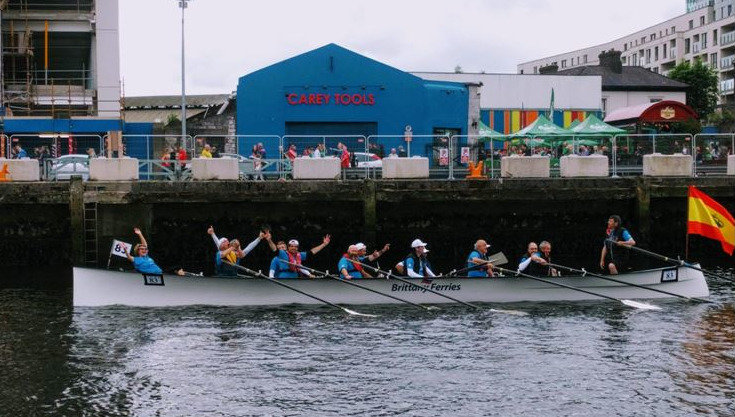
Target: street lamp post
183, 5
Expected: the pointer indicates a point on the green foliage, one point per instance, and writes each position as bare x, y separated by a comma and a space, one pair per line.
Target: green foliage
173, 120
723, 119
703, 91
691, 126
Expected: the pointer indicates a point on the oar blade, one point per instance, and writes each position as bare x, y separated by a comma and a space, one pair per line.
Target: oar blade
511, 312
356, 313
498, 259
639, 305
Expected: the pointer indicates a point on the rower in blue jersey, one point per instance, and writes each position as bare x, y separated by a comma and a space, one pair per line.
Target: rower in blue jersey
477, 262
348, 269
141, 261
416, 265
288, 260
364, 258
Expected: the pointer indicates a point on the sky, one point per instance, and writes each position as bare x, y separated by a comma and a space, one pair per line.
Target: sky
226, 39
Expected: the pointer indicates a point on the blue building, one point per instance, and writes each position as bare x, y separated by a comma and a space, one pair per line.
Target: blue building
334, 91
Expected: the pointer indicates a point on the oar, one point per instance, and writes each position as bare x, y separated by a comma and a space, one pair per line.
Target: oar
584, 272
324, 274
390, 275
497, 259
277, 282
629, 303
672, 260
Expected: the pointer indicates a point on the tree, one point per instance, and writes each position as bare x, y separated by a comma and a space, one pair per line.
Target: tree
703, 92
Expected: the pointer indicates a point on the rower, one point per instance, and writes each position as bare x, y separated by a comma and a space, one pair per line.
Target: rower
615, 260
141, 261
281, 245
532, 262
545, 248
289, 258
230, 251
477, 262
416, 265
363, 257
348, 265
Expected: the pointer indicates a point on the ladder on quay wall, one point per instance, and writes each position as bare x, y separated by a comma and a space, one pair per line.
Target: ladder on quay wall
91, 257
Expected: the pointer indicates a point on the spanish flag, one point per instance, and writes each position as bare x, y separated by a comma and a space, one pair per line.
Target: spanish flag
709, 219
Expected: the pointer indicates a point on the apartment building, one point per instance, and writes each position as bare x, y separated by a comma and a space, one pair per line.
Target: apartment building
706, 32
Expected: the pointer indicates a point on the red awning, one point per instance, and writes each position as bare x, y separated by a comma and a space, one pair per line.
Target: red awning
660, 111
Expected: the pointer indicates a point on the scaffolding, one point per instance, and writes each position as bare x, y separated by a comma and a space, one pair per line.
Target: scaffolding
33, 85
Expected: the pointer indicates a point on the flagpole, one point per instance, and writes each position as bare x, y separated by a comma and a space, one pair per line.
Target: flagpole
686, 240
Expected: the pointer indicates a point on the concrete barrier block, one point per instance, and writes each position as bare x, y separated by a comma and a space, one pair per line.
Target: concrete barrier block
525, 166
22, 169
731, 165
658, 165
316, 168
416, 167
583, 166
203, 169
113, 169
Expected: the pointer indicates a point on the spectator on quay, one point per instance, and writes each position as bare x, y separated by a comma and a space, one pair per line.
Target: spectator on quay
215, 152
19, 152
91, 153
291, 152
206, 151
525, 150
584, 151
257, 164
308, 152
166, 157
344, 156
320, 151
181, 155
393, 153
261, 150
401, 152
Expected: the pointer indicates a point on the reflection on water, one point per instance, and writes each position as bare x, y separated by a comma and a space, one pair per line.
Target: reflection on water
593, 358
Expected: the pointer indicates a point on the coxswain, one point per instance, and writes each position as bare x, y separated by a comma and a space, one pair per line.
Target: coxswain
349, 265
478, 264
416, 265
613, 258
141, 261
291, 257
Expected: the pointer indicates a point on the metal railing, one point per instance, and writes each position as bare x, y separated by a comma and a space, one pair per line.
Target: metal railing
448, 155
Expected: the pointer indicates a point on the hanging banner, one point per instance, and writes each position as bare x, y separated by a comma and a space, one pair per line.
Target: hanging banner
443, 156
465, 155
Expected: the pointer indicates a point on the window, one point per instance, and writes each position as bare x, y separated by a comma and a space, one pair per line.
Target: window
563, 63
653, 36
584, 58
643, 39
703, 40
648, 56
673, 30
714, 37
701, 20
729, 9
713, 60
655, 53
687, 45
623, 60
625, 47
655, 69
664, 51
535, 70
691, 24
603, 106
655, 99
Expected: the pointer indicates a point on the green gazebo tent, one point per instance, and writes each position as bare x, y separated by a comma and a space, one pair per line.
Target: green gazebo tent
594, 126
541, 128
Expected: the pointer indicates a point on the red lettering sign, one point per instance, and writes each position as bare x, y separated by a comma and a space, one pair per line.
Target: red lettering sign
340, 99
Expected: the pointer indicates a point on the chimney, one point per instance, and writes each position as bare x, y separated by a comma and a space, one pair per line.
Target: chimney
549, 69
611, 59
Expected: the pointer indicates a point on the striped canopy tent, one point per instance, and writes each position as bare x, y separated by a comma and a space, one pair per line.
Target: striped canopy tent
592, 126
542, 127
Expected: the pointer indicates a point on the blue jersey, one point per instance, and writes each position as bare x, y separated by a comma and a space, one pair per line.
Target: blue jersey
344, 263
477, 270
146, 265
408, 264
283, 269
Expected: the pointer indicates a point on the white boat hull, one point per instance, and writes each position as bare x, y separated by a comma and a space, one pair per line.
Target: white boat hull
96, 287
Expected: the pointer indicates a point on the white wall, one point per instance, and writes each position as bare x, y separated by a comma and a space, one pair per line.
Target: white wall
515, 91
107, 58
620, 99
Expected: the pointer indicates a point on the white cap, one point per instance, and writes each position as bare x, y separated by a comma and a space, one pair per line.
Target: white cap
352, 248
222, 240
360, 246
293, 242
416, 243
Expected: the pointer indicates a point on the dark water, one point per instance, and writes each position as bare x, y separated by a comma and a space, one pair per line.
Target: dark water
586, 359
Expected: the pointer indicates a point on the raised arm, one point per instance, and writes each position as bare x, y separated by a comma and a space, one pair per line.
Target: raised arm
140, 235
325, 242
252, 244
267, 236
378, 253
210, 231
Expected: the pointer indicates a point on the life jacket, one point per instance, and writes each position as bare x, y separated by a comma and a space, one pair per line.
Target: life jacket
231, 257
355, 266
417, 263
614, 235
294, 259
536, 269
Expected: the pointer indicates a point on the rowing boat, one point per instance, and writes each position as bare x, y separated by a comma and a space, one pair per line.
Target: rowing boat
100, 287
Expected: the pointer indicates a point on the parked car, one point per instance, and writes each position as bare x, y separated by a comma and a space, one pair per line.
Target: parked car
65, 166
